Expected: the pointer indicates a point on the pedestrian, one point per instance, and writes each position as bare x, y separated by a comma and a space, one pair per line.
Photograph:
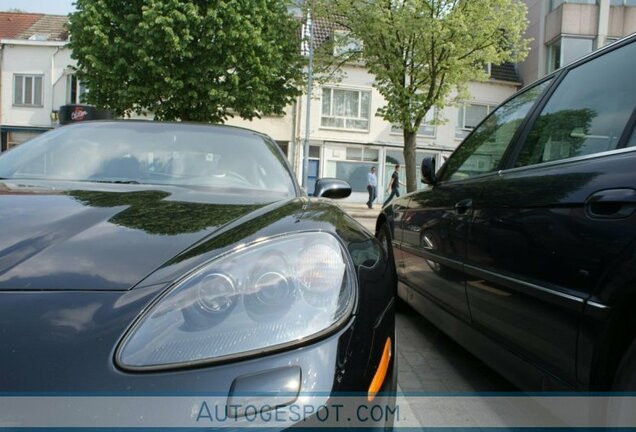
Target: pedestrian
394, 185
372, 187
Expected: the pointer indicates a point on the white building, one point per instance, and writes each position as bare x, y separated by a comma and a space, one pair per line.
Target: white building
347, 138
345, 141
35, 79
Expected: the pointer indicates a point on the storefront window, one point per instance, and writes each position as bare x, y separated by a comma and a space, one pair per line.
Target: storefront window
17, 138
353, 164
397, 156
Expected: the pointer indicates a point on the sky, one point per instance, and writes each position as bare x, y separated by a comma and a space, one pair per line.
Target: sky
55, 7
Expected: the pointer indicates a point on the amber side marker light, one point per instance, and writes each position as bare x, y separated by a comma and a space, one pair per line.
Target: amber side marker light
380, 373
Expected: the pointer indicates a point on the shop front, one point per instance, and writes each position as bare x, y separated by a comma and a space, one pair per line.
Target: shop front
352, 163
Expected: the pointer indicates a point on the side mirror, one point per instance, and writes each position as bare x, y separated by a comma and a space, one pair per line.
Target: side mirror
428, 170
332, 188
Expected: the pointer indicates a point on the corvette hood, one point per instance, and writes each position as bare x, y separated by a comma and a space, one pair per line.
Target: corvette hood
56, 238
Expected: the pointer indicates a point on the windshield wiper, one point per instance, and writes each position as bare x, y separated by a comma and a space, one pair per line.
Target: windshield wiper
114, 181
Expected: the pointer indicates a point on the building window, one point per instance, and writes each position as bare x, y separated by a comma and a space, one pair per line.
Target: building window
622, 2
425, 129
344, 43
556, 3
469, 116
554, 57
567, 50
27, 90
345, 109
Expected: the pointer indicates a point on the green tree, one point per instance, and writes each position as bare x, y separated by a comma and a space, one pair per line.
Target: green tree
423, 51
198, 60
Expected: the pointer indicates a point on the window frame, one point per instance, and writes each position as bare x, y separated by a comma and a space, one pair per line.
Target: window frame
511, 154
23, 77
339, 49
74, 87
559, 76
349, 89
624, 3
489, 109
519, 135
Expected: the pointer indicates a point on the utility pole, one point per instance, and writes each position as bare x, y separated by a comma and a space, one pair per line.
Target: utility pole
310, 67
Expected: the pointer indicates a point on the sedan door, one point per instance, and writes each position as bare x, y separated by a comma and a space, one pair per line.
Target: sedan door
548, 228
437, 221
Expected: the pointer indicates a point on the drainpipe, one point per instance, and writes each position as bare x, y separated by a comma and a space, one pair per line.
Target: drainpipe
603, 23
53, 81
292, 142
310, 66
297, 153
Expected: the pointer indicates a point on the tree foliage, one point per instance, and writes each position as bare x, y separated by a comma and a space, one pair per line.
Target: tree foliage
423, 51
200, 60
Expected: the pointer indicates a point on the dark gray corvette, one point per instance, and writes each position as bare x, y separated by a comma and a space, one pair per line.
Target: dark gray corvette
150, 257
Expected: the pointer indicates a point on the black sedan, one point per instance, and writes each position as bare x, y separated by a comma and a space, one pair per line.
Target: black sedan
523, 245
158, 258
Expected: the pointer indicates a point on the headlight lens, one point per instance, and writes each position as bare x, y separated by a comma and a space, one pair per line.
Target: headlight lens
262, 297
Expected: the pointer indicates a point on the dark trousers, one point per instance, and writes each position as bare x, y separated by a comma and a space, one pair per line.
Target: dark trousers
395, 192
372, 195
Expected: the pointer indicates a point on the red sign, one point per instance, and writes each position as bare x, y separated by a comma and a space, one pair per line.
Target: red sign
78, 114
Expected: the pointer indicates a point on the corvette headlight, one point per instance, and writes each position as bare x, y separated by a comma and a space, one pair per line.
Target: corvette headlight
260, 298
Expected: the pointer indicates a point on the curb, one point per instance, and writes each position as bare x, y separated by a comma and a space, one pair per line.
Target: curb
362, 215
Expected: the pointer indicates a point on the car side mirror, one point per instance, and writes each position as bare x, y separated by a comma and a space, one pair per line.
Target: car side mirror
332, 188
428, 170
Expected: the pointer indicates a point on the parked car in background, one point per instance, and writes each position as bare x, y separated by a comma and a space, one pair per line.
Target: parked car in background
182, 258
523, 247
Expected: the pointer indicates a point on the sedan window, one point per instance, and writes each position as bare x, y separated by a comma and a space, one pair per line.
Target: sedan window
482, 151
587, 112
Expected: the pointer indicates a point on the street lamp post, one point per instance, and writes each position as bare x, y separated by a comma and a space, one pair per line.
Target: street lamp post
310, 28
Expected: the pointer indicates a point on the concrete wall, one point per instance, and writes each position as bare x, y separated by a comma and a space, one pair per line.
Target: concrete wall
580, 19
622, 21
533, 67
571, 19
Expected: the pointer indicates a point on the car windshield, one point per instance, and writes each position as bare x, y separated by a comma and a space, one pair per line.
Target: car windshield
152, 153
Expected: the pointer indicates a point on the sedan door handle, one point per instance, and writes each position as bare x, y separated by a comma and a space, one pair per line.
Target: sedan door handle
463, 206
611, 204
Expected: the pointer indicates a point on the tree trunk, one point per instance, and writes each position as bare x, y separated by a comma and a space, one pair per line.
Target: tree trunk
409, 161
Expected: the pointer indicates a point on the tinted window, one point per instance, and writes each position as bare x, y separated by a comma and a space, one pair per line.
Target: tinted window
481, 152
151, 153
632, 140
587, 112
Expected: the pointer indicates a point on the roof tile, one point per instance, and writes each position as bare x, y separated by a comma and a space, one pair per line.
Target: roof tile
52, 25
505, 72
12, 23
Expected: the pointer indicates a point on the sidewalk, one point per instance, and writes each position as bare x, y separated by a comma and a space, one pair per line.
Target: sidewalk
361, 213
